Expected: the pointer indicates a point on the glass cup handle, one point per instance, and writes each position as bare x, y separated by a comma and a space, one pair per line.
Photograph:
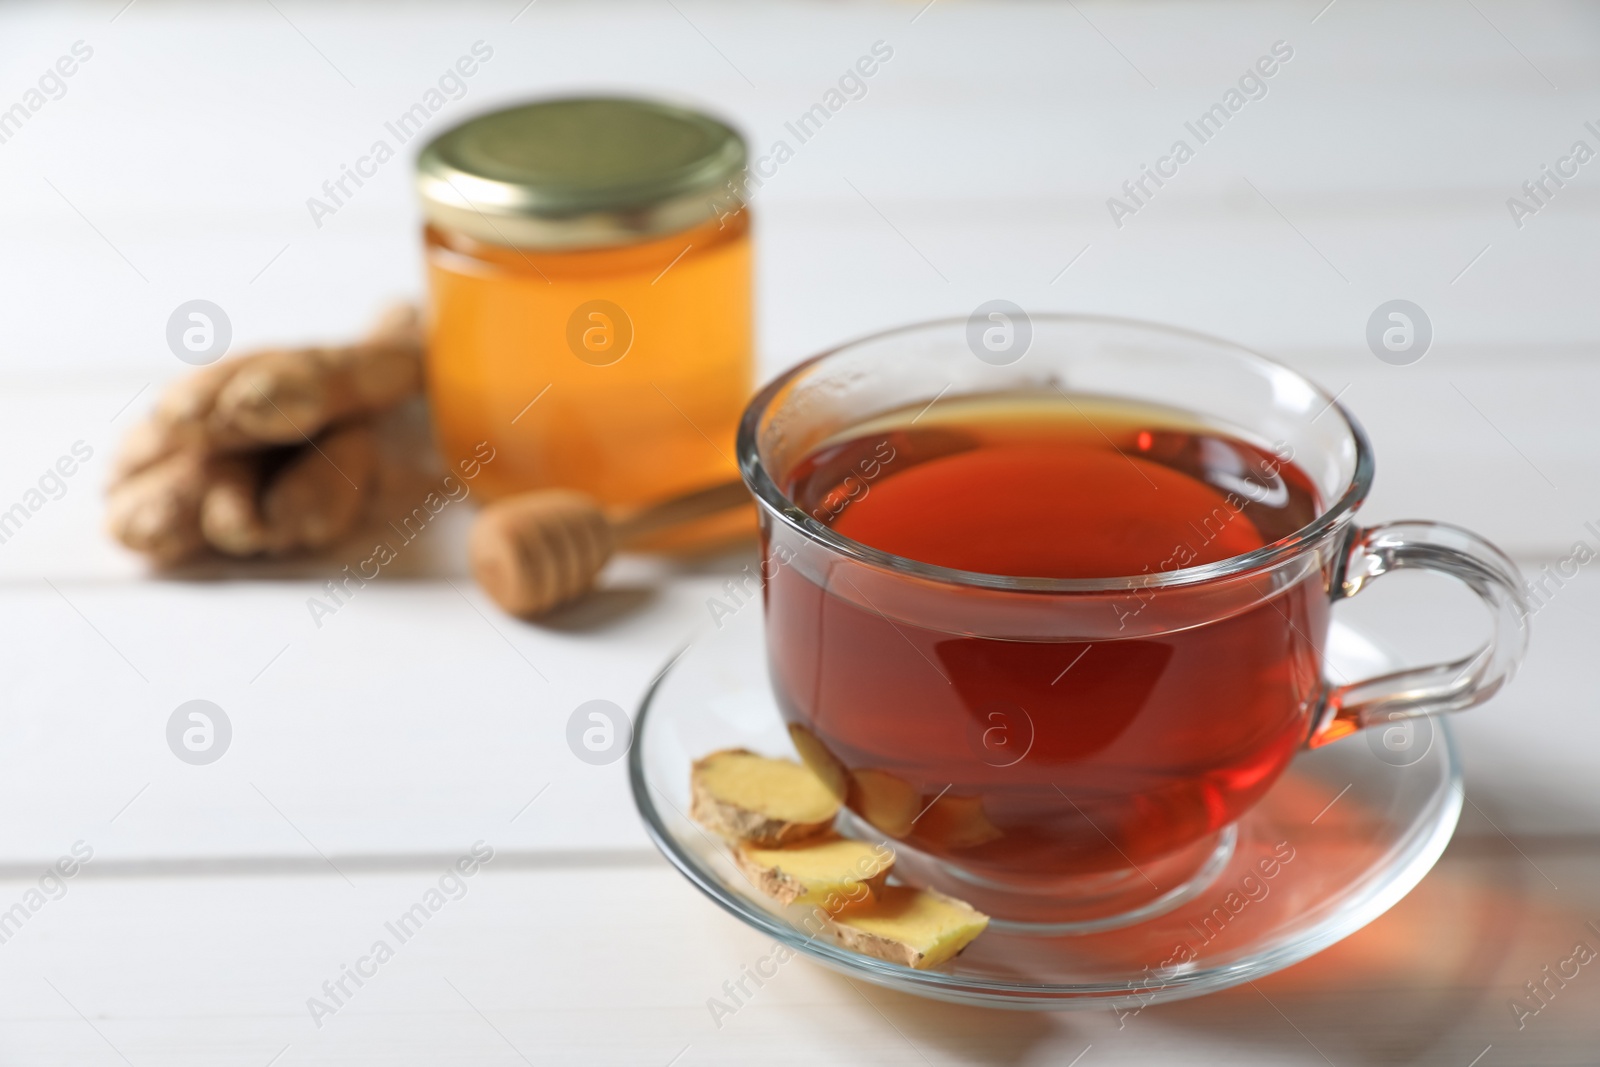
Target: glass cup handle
1442, 687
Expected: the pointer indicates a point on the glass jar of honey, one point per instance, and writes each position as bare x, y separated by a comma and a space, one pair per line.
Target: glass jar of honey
589, 297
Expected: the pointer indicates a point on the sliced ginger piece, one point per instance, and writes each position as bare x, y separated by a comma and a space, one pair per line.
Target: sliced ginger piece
917, 928
958, 822
831, 871
887, 802
759, 800
815, 755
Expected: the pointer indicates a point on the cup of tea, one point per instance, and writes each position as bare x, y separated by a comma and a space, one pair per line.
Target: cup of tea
1052, 616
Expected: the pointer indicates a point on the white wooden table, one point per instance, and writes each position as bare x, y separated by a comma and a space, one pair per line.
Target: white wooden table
371, 752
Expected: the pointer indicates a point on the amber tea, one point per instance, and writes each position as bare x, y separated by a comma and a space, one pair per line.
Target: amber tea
1049, 758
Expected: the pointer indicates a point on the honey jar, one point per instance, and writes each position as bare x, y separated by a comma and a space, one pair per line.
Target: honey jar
589, 297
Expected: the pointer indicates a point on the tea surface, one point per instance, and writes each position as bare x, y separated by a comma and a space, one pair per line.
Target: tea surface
1053, 489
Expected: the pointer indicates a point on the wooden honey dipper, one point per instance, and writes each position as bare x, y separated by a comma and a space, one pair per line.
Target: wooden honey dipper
538, 550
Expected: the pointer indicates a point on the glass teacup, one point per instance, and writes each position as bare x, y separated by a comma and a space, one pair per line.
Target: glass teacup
1080, 747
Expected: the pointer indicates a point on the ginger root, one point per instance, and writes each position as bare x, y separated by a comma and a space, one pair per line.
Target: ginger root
759, 800
318, 495
270, 452
156, 510
230, 511
917, 928
283, 396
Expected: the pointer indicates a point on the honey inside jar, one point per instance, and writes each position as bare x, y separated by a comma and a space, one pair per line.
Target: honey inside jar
590, 311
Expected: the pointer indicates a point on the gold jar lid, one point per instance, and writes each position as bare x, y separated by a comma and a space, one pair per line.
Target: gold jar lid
582, 172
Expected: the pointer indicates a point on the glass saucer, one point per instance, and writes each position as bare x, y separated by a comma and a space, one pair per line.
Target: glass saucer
1347, 831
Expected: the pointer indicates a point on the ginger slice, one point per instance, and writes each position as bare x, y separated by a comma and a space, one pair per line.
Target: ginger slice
918, 928
760, 800
815, 755
834, 872
958, 822
887, 802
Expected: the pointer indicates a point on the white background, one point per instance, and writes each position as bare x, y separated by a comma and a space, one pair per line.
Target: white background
177, 166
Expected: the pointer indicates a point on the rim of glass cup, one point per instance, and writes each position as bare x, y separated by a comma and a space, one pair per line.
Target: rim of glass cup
761, 484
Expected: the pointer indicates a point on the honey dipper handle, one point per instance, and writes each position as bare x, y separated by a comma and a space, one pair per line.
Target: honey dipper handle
680, 510
538, 550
